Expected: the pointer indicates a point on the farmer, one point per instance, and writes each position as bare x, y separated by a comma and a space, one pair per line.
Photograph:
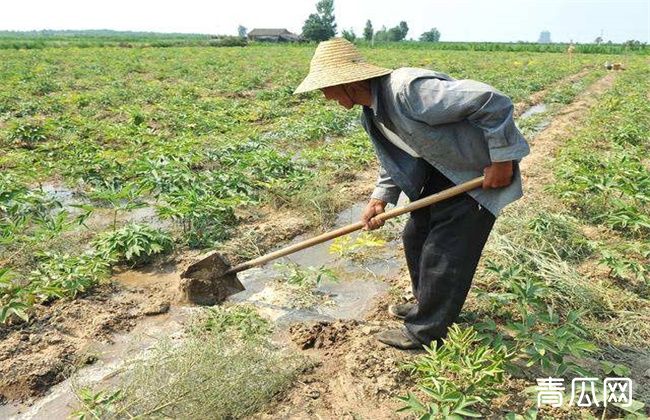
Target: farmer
430, 132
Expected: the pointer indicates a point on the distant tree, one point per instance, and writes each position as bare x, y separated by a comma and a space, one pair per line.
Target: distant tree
242, 31
381, 35
349, 35
598, 40
544, 37
432, 35
404, 29
368, 31
320, 26
394, 34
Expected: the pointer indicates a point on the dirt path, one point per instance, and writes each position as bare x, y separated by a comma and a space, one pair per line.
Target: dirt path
357, 377
534, 167
538, 97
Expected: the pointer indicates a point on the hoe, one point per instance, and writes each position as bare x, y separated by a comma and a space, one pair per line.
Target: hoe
211, 280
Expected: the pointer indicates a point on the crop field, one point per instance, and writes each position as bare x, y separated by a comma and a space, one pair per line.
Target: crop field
116, 162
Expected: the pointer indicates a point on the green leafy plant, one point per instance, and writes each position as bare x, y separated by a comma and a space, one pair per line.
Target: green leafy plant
10, 303
353, 247
305, 277
300, 284
242, 319
453, 378
133, 244
121, 198
28, 135
56, 276
100, 404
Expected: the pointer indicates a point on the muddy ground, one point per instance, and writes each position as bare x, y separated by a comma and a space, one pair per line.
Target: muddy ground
36, 355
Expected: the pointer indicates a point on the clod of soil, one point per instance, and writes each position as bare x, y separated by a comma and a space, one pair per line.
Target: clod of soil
155, 307
321, 335
205, 281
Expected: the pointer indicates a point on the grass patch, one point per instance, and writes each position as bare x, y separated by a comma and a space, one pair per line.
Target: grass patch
225, 367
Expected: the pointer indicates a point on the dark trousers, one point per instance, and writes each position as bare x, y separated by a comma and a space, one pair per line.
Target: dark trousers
443, 244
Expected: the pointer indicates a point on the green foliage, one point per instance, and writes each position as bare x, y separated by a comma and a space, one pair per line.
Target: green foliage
320, 26
462, 373
133, 244
211, 373
349, 35
242, 319
301, 283
56, 276
393, 34
432, 35
100, 404
354, 247
305, 277
610, 186
242, 31
536, 333
368, 31
28, 135
560, 234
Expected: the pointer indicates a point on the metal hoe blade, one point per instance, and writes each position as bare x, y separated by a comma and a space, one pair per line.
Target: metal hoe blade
208, 281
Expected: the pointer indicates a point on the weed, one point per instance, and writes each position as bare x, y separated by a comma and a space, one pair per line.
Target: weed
355, 247
211, 373
301, 283
96, 405
28, 135
561, 234
242, 319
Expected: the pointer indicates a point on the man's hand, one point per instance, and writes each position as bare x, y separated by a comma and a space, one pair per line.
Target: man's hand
497, 175
373, 208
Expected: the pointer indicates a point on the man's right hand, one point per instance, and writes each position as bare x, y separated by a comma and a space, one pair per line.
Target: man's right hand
373, 208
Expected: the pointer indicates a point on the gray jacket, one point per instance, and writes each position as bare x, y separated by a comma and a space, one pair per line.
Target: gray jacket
458, 126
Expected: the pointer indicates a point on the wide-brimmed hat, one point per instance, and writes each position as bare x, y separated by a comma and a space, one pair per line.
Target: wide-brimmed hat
336, 62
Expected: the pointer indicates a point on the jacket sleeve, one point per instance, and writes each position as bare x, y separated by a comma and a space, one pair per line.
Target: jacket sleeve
385, 188
434, 102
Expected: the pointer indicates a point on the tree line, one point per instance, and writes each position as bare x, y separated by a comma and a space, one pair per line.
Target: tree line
321, 26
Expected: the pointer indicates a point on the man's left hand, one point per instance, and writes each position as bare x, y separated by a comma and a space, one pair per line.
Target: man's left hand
497, 175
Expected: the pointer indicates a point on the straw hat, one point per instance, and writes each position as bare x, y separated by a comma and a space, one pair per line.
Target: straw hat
336, 62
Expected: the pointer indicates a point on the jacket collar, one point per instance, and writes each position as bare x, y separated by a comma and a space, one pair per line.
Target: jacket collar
375, 93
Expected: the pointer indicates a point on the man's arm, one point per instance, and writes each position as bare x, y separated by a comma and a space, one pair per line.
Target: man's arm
385, 192
435, 102
385, 188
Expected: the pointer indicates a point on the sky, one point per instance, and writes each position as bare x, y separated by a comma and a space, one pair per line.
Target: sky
457, 20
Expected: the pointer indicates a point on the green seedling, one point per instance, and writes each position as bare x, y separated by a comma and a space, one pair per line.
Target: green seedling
134, 244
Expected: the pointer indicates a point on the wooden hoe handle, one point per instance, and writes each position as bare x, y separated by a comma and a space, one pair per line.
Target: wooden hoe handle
398, 211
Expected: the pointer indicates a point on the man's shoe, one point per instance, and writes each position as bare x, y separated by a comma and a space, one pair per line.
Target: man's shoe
401, 310
399, 339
